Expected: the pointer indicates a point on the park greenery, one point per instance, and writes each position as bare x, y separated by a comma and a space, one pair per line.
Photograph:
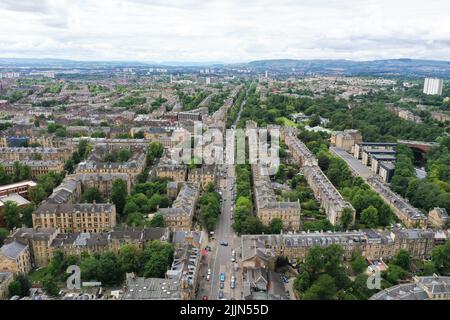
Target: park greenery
324, 276
145, 199
130, 101
234, 109
434, 190
191, 101
108, 267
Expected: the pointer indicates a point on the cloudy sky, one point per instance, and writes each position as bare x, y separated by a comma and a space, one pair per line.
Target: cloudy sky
224, 30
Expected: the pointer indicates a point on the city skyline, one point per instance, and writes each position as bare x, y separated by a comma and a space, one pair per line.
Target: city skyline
224, 32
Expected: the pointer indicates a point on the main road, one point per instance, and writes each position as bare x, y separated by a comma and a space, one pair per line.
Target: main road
220, 258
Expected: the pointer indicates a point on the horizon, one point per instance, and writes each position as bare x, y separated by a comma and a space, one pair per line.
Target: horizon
208, 63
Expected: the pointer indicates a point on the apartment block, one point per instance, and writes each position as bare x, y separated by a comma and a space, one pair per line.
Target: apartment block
438, 217
81, 217
15, 257
329, 197
267, 206
204, 175
38, 167
174, 172
411, 217
359, 147
433, 86
179, 216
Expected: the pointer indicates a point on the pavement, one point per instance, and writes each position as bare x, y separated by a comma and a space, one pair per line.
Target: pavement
355, 165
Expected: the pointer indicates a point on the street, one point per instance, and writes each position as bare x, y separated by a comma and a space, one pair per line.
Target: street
219, 258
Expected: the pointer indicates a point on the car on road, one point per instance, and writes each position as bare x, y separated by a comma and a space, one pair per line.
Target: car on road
222, 285
223, 243
233, 284
222, 276
208, 277
205, 297
209, 272
220, 294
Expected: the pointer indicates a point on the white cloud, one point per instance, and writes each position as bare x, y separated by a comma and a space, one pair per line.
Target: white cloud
224, 30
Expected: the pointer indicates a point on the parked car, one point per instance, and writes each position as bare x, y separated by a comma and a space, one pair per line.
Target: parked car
209, 272
208, 277
221, 294
222, 285
224, 243
205, 297
222, 276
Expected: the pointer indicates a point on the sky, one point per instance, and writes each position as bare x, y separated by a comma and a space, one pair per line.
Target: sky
224, 30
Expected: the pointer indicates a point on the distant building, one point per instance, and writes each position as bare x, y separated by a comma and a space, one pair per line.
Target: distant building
433, 86
360, 147
346, 139
386, 171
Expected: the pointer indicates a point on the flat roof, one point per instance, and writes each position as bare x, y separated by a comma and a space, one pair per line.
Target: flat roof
14, 197
18, 184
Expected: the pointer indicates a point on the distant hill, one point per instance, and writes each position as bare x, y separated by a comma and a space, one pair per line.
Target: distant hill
412, 67
389, 67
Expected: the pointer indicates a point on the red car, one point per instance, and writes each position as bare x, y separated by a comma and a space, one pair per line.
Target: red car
205, 297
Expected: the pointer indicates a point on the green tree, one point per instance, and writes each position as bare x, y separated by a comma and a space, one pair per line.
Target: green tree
441, 258
37, 194
119, 195
110, 270
403, 259
92, 195
90, 268
346, 218
358, 263
155, 151
50, 286
27, 215
19, 287
130, 258
3, 234
157, 221
276, 225
428, 268
303, 282
322, 289
369, 217
158, 257
395, 273
12, 214
135, 219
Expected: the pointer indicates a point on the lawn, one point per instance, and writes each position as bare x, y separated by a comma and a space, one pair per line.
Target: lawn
37, 275
287, 122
